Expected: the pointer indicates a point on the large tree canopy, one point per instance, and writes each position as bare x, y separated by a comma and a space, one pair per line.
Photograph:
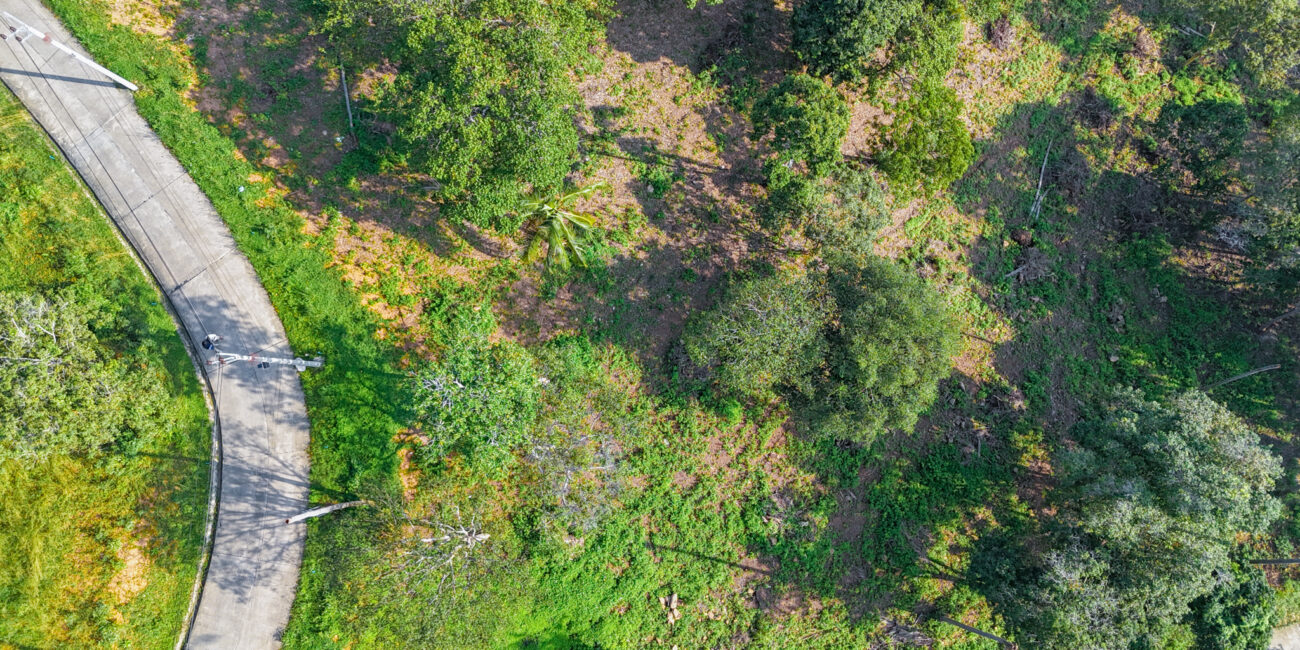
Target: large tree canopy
1150, 506
482, 99
893, 342
61, 391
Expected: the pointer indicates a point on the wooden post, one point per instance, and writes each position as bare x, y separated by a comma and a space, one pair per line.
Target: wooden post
347, 99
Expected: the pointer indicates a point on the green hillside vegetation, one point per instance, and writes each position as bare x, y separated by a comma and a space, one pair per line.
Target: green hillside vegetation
104, 435
888, 316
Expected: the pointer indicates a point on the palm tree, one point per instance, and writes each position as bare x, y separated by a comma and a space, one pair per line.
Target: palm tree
558, 227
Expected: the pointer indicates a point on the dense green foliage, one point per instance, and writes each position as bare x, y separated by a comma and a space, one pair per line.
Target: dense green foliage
482, 100
807, 120
1189, 460
1151, 504
1238, 614
105, 433
61, 390
1263, 35
479, 400
892, 343
835, 37
1200, 143
866, 356
767, 332
927, 141
926, 45
844, 225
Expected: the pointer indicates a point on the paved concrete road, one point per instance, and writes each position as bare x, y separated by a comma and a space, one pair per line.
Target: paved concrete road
1286, 638
263, 424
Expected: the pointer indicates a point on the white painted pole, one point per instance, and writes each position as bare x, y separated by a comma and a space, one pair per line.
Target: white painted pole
324, 510
60, 46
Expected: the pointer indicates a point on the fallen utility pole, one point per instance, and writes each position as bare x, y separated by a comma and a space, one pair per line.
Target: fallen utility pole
299, 364
323, 510
1244, 375
23, 30
221, 358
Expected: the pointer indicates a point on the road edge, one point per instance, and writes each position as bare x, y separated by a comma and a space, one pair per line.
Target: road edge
200, 372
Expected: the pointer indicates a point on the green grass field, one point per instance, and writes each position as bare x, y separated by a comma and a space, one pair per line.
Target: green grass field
95, 551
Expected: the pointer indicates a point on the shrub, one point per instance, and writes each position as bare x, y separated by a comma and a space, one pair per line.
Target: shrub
927, 142
1198, 144
766, 332
893, 342
807, 119
835, 37
479, 399
845, 223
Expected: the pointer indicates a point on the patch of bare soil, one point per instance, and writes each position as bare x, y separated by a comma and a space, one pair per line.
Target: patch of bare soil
668, 120
132, 578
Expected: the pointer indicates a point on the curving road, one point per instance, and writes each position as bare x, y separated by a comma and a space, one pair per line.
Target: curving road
262, 421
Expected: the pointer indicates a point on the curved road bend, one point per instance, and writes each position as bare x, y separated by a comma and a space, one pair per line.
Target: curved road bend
262, 420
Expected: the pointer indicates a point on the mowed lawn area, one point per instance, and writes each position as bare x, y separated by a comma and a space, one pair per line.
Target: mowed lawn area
97, 548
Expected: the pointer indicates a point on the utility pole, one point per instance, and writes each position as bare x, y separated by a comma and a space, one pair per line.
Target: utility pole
21, 31
222, 358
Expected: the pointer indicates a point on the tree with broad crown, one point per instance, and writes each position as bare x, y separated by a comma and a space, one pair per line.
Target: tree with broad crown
482, 99
61, 390
1150, 506
766, 332
835, 37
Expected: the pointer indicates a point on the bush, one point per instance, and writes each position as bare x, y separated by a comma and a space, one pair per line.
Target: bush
766, 332
835, 37
807, 119
893, 342
927, 142
845, 223
480, 400
1198, 144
